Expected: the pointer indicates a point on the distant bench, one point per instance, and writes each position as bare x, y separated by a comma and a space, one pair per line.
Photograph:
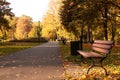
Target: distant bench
101, 49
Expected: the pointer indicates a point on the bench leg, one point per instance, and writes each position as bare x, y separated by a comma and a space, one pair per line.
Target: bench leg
81, 60
104, 70
100, 65
93, 64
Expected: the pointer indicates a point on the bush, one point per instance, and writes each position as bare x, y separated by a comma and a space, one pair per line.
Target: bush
30, 40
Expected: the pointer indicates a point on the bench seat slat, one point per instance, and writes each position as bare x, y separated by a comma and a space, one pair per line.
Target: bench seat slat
89, 54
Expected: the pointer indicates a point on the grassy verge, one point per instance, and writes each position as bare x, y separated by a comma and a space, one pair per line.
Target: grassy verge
112, 64
10, 47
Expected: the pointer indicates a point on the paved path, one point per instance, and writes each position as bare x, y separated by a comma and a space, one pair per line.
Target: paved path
39, 63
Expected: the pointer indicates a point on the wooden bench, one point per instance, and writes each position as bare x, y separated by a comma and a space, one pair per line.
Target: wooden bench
101, 49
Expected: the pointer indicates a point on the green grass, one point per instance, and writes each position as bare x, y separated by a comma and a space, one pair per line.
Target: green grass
10, 47
112, 63
65, 50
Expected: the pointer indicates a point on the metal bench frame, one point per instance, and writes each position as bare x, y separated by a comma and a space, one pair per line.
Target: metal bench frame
101, 49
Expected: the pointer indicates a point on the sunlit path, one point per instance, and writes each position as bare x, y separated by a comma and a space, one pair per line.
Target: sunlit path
38, 63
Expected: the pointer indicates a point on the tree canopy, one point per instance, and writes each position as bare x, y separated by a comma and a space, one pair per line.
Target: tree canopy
90, 14
4, 10
23, 26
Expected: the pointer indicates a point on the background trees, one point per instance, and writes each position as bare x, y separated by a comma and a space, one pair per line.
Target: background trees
4, 10
12, 27
12, 24
90, 19
92, 16
23, 27
36, 30
51, 21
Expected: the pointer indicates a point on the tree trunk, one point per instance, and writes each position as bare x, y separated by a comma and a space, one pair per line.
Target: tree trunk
88, 34
113, 33
13, 36
105, 22
81, 36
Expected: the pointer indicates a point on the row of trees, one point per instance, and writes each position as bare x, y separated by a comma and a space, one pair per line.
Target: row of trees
92, 19
22, 28
52, 27
12, 27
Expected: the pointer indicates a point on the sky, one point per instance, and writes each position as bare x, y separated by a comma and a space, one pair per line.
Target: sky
33, 8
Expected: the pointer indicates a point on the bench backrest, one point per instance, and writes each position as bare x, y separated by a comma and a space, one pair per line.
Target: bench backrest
102, 46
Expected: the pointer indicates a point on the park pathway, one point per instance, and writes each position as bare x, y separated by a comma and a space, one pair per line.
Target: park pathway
38, 63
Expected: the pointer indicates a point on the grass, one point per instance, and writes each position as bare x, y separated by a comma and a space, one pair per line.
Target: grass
10, 47
112, 64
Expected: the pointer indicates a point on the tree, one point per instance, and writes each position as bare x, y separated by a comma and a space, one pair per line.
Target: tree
23, 27
51, 21
36, 30
12, 24
4, 10
90, 14
70, 16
